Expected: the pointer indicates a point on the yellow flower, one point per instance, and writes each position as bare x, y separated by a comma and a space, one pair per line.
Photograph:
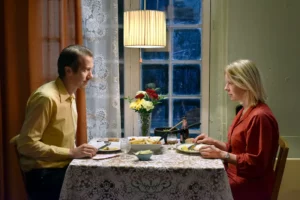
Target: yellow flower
148, 105
132, 105
137, 104
145, 101
141, 103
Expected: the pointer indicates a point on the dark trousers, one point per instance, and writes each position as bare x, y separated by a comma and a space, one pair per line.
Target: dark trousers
44, 184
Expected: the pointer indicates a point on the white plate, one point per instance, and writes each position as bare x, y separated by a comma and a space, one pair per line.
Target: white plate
108, 151
179, 148
152, 147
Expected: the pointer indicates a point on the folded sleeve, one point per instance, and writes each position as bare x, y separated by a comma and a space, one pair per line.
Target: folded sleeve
259, 151
38, 115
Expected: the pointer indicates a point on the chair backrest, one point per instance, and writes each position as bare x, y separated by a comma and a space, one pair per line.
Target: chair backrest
279, 166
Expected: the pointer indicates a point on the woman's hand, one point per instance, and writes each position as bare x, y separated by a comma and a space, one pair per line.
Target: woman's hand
210, 151
203, 138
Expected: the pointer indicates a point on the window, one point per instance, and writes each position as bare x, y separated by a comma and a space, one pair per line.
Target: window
176, 69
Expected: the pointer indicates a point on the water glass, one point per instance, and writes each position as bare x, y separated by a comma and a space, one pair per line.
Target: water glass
172, 140
125, 145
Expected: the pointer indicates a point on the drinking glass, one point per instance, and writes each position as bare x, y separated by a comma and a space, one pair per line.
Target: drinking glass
172, 140
125, 146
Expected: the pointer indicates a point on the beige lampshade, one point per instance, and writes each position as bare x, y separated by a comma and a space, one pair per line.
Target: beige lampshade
144, 29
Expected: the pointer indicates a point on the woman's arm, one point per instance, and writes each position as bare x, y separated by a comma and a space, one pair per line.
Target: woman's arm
221, 145
211, 151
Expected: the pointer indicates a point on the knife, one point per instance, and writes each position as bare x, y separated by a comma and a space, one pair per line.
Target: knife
104, 146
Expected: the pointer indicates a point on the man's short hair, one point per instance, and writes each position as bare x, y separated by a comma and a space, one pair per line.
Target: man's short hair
69, 56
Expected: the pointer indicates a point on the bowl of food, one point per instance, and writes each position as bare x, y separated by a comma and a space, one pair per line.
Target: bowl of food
144, 155
145, 143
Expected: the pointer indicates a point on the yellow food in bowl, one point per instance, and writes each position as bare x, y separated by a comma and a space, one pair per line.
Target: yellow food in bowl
144, 152
144, 141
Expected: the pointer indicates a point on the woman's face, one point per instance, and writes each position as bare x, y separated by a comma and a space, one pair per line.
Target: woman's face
235, 93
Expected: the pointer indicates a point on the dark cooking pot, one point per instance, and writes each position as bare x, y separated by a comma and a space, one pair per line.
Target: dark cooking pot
161, 131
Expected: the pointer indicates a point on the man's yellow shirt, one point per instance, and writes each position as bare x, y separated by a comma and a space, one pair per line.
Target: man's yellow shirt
48, 132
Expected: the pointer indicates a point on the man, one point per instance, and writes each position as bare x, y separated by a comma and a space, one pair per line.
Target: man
46, 142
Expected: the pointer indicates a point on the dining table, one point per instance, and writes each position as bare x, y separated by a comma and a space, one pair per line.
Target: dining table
169, 174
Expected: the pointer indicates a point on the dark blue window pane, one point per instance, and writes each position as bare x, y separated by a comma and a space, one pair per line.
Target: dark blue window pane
187, 44
186, 79
121, 74
161, 5
157, 74
187, 11
160, 115
155, 55
120, 11
121, 44
186, 107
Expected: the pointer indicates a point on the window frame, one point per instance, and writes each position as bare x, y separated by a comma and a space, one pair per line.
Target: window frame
132, 72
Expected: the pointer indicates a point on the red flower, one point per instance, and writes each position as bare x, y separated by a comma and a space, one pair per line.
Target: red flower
152, 93
139, 96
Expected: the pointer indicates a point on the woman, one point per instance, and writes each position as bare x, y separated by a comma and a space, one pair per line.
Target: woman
252, 137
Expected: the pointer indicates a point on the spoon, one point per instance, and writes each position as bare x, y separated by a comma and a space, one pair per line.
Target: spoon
174, 126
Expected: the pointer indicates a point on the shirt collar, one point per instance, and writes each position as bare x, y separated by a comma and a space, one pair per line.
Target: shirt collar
63, 93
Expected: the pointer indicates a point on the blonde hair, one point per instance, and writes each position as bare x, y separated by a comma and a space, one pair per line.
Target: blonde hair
245, 75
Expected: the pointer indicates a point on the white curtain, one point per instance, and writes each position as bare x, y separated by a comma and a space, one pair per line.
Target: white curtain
100, 30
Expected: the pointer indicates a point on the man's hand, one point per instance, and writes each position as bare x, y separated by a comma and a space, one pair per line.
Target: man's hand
210, 151
84, 150
203, 138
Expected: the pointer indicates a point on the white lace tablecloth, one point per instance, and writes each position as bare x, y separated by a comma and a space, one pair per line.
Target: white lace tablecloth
168, 175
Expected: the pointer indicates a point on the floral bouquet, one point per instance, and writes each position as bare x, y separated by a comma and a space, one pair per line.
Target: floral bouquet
144, 103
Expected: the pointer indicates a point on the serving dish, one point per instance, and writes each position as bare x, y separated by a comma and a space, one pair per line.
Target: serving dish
139, 143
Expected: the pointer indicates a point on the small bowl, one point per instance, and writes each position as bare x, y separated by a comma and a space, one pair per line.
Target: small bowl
144, 157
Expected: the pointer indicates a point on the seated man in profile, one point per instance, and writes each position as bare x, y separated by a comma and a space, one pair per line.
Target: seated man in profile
46, 141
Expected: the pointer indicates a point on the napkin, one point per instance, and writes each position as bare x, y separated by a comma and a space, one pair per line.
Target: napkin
104, 156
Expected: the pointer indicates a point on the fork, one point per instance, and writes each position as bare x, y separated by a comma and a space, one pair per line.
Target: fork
192, 146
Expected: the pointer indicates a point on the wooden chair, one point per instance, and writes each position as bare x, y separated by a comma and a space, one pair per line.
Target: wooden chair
279, 166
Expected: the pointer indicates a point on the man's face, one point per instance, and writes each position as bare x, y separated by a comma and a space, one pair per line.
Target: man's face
84, 73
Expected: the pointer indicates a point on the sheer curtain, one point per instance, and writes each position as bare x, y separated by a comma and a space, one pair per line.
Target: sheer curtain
100, 30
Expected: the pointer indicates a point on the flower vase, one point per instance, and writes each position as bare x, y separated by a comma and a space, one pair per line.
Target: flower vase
144, 124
